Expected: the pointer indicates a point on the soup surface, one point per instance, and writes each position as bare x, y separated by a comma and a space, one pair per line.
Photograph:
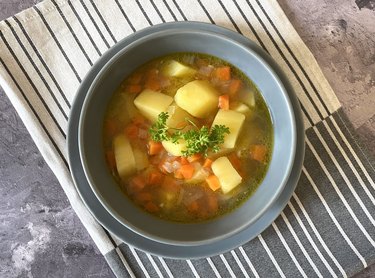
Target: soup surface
187, 137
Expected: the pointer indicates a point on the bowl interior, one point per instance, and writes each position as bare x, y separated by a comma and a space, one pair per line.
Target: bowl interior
91, 122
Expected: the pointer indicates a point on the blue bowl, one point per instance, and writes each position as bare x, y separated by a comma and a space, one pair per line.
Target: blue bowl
160, 43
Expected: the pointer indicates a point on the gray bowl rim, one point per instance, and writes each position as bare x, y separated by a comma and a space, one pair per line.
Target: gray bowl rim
107, 205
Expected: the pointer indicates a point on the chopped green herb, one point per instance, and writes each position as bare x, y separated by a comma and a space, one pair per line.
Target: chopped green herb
197, 140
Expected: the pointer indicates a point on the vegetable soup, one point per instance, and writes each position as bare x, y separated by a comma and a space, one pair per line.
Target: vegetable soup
188, 137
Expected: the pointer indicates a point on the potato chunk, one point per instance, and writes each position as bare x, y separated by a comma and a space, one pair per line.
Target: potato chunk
199, 98
248, 97
176, 69
151, 103
174, 149
234, 121
240, 107
177, 115
124, 156
227, 175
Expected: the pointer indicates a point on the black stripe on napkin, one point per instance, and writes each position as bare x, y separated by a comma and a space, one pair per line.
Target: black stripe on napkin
95, 24
35, 113
72, 32
84, 27
32, 85
103, 21
37, 70
41, 60
58, 43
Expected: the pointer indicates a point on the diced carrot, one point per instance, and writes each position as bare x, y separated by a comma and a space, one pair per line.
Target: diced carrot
258, 152
193, 207
194, 157
236, 162
110, 157
222, 73
155, 178
133, 88
213, 182
152, 80
224, 102
187, 171
110, 127
131, 131
151, 207
135, 78
139, 120
178, 175
184, 160
137, 184
207, 163
143, 197
154, 147
212, 203
234, 87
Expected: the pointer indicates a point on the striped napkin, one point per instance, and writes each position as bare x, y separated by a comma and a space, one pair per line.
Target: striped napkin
327, 228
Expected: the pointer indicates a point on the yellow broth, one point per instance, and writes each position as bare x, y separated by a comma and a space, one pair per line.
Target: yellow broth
156, 185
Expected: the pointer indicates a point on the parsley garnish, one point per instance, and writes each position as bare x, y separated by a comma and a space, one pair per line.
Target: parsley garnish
159, 130
198, 140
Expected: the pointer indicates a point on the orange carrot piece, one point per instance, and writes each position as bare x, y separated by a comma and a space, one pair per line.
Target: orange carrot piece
187, 171
236, 162
152, 80
193, 207
194, 157
143, 197
213, 182
139, 120
212, 203
131, 131
178, 175
222, 73
154, 147
224, 102
234, 87
135, 78
155, 178
151, 207
133, 88
137, 184
184, 160
207, 163
258, 152
110, 158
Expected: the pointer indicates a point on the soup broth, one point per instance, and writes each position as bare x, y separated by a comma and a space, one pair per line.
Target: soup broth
187, 137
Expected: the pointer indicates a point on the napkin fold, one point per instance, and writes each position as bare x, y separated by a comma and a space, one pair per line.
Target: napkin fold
328, 226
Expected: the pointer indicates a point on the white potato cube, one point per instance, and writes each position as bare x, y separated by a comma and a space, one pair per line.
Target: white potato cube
240, 107
174, 149
199, 98
247, 96
227, 175
151, 103
234, 121
176, 69
124, 156
177, 115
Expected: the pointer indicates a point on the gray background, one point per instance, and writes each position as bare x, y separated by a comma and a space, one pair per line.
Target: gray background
40, 236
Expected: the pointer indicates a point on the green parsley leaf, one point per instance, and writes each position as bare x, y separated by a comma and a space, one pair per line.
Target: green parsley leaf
159, 130
197, 140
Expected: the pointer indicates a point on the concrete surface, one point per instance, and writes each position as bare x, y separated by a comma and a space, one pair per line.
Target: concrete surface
40, 234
